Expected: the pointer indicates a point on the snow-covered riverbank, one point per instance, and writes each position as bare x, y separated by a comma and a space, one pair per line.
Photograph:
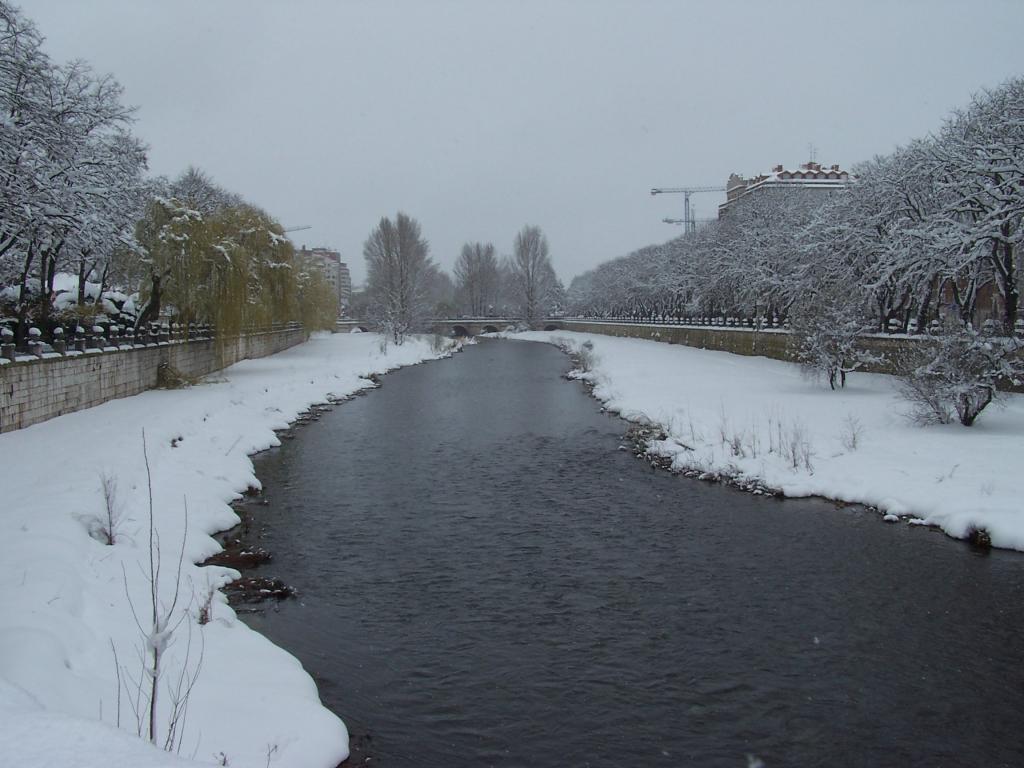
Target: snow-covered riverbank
68, 601
757, 419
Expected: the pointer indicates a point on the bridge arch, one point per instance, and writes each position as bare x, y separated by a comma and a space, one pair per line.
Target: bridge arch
552, 327
490, 329
460, 331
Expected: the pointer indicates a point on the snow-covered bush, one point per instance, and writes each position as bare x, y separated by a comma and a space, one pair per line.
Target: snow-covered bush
562, 343
106, 527
824, 339
582, 354
852, 432
795, 445
585, 357
439, 343
960, 372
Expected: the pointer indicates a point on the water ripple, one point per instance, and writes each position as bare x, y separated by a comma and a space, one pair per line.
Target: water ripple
487, 580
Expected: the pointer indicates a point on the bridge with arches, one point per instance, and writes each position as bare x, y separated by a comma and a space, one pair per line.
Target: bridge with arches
461, 326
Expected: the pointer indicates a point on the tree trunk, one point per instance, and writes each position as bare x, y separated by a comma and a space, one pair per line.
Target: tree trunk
923, 311
43, 299
82, 276
21, 331
151, 311
1008, 274
103, 287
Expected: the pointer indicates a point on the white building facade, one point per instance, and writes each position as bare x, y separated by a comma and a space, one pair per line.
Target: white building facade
334, 270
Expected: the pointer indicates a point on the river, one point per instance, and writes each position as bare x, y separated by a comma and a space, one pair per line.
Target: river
487, 578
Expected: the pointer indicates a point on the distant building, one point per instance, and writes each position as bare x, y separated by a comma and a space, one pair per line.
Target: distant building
334, 270
344, 288
807, 176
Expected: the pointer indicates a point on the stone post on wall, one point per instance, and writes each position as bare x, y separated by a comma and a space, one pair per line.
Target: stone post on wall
7, 348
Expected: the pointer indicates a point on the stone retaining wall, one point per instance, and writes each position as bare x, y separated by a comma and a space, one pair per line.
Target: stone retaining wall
740, 341
34, 390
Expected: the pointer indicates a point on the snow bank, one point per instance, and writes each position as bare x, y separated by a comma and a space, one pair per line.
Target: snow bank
760, 420
32, 736
71, 602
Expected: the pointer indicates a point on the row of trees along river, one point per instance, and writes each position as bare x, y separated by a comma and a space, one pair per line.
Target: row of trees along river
925, 238
87, 236
931, 229
405, 288
928, 231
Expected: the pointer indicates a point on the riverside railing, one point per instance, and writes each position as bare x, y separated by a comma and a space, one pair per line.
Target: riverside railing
893, 327
76, 338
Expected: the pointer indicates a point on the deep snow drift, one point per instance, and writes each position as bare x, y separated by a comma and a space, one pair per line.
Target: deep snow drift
67, 607
761, 420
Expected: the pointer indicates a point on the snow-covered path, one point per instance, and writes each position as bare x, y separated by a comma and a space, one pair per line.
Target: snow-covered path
64, 610
756, 418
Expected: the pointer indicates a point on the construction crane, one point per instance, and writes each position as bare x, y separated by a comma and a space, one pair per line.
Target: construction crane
296, 229
689, 223
683, 221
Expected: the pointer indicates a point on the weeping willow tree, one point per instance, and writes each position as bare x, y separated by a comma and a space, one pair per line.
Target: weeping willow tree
213, 258
248, 271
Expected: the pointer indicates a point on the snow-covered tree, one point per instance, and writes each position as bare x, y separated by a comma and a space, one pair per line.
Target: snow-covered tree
533, 278
176, 244
961, 371
980, 160
439, 292
211, 257
398, 265
758, 250
476, 278
933, 228
73, 199
70, 170
826, 327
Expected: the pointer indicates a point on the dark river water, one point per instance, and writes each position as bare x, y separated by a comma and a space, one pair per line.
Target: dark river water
486, 579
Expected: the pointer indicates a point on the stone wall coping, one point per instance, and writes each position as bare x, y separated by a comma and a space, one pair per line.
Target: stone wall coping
50, 357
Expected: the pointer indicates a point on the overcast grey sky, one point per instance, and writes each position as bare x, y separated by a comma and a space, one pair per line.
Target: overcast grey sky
479, 117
